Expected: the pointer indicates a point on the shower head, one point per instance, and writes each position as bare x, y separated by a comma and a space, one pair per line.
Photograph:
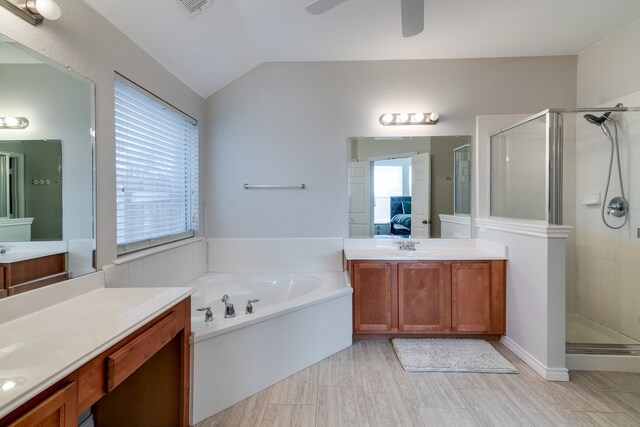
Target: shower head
597, 120
600, 121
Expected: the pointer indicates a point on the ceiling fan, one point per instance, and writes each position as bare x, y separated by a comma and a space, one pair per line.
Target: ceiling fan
412, 12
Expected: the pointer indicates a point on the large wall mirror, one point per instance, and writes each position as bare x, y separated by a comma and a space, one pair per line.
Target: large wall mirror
410, 187
47, 180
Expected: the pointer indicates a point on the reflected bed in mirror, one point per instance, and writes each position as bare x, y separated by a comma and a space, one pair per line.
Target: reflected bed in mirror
410, 187
47, 197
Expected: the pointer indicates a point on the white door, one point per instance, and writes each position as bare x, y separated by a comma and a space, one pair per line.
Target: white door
359, 199
420, 195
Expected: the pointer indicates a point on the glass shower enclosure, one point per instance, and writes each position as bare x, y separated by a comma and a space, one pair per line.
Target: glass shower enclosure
581, 167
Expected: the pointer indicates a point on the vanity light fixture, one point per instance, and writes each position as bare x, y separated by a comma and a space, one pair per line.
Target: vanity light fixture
393, 119
13, 122
33, 11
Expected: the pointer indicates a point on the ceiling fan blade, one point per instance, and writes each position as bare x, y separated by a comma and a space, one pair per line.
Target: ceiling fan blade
412, 12
321, 6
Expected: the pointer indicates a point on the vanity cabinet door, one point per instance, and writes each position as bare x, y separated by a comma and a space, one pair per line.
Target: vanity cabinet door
424, 297
471, 296
58, 410
374, 294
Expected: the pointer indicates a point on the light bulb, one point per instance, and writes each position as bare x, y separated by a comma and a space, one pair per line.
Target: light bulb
418, 117
434, 117
386, 118
49, 9
403, 117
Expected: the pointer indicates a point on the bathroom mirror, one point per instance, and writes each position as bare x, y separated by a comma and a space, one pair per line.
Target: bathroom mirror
47, 180
410, 187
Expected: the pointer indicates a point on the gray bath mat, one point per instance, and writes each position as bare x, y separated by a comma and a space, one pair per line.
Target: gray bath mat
450, 355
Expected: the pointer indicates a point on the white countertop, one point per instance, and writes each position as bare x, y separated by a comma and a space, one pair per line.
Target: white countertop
426, 249
39, 349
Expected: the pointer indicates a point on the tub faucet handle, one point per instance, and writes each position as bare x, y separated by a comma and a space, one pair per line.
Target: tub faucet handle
249, 308
208, 316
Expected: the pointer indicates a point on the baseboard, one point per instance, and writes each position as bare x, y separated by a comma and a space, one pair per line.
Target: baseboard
549, 374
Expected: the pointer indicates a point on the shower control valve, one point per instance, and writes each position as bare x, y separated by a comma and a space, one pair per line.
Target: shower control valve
617, 207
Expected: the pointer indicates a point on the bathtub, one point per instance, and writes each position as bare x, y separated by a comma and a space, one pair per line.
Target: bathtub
301, 318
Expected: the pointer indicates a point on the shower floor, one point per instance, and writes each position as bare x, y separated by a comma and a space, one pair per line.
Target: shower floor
582, 330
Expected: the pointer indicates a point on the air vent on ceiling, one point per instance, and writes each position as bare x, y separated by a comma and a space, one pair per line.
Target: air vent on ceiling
194, 7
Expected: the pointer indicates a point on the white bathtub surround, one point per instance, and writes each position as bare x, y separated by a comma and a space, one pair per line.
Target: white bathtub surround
78, 319
437, 249
535, 291
274, 255
173, 264
235, 358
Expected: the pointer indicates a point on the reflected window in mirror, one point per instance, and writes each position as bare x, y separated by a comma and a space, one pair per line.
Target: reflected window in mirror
406, 187
47, 181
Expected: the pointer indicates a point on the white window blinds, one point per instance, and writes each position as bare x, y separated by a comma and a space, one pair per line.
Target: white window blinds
156, 170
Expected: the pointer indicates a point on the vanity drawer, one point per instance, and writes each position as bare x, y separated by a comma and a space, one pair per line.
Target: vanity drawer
129, 358
102, 374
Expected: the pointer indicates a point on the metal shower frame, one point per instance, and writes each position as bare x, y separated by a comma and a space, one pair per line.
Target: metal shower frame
554, 151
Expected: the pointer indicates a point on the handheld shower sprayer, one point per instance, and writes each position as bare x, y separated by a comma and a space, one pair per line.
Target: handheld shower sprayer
617, 206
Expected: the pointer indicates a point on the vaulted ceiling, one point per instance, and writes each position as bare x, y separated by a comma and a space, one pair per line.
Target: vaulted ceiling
231, 37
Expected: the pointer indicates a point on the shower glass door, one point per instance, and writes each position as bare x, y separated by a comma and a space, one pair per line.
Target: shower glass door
561, 166
603, 253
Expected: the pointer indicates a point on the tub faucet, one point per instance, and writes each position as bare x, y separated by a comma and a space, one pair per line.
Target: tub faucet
407, 246
208, 316
229, 311
249, 309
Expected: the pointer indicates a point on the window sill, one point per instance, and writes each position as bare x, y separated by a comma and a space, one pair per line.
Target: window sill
155, 250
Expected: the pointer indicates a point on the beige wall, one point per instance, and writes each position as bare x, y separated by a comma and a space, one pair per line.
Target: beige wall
289, 123
91, 46
611, 68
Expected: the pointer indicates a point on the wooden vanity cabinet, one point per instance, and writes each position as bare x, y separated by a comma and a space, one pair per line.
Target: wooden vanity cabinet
21, 276
413, 298
374, 304
423, 297
143, 380
58, 409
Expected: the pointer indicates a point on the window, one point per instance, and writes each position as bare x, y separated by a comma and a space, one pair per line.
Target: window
390, 178
387, 182
156, 170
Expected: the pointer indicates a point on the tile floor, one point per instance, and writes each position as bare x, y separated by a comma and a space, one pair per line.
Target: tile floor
364, 385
